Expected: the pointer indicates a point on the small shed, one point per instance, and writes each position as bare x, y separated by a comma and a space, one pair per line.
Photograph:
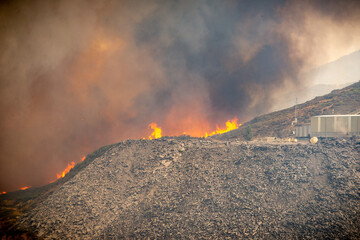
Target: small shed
335, 125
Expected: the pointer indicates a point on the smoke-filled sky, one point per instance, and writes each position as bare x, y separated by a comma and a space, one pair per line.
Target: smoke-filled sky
76, 75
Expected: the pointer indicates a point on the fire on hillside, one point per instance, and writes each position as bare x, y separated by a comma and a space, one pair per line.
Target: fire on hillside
229, 125
157, 133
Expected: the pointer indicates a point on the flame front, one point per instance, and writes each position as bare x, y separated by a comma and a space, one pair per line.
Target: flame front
24, 188
1, 193
157, 131
68, 168
230, 125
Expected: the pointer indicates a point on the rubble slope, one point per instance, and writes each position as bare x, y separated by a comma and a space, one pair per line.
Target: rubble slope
208, 189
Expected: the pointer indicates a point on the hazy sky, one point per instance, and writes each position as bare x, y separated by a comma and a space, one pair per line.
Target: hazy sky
76, 75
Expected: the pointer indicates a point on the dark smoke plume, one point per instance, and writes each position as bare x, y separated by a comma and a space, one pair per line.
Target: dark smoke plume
76, 75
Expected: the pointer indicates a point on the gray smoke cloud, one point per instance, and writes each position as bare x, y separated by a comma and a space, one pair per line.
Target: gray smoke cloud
76, 75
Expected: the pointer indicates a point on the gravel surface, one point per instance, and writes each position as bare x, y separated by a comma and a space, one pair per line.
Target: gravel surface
173, 188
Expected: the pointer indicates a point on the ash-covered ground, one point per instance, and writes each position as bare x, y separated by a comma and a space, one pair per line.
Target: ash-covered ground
178, 188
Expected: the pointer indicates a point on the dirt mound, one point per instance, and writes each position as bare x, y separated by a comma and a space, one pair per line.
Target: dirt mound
208, 189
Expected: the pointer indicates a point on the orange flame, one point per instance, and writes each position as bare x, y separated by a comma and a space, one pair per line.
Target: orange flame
24, 188
2, 193
230, 125
67, 169
157, 131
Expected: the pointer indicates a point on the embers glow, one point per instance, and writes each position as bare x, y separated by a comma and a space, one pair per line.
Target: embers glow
24, 188
157, 131
1, 193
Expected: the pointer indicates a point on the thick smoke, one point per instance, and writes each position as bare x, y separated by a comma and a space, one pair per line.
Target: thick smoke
76, 75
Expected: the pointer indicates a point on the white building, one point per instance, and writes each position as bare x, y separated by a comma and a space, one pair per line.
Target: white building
330, 126
335, 125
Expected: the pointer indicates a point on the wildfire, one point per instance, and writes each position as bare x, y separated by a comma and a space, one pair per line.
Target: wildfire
24, 188
1, 193
230, 125
156, 133
68, 168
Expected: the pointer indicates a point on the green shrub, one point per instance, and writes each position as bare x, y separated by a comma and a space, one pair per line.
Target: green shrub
248, 135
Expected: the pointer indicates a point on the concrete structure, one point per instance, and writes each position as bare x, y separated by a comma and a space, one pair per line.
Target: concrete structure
335, 125
303, 130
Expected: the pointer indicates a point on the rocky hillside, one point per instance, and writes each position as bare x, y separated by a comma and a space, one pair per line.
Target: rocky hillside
207, 189
279, 124
15, 204
219, 187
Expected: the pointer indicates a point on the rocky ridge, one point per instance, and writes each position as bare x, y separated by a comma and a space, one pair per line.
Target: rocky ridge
208, 189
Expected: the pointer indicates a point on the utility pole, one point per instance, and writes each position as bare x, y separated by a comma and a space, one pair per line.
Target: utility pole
296, 111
